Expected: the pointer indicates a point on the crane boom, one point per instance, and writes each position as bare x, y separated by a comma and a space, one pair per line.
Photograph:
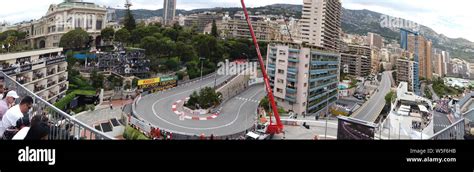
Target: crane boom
272, 128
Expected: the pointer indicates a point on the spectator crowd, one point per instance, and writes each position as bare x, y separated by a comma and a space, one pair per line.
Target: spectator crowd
15, 120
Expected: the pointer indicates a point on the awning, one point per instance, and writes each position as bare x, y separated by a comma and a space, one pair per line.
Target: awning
403, 113
423, 108
253, 135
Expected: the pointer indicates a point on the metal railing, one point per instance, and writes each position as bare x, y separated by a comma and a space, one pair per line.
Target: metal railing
453, 132
145, 127
62, 125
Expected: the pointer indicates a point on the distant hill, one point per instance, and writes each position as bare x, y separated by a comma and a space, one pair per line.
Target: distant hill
353, 22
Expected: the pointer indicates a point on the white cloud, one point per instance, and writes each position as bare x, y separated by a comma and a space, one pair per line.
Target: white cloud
452, 18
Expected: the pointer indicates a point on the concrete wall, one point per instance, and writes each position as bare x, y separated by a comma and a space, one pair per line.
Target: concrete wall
234, 86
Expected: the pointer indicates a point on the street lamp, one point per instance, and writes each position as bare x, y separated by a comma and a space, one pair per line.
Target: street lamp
201, 59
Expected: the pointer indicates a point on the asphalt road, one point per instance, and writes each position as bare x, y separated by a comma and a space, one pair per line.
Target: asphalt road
237, 114
372, 108
318, 128
440, 120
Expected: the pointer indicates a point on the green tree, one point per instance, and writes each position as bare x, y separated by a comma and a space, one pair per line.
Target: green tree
74, 39
207, 97
107, 34
265, 104
97, 79
129, 21
150, 45
214, 29
389, 97
171, 33
122, 35
172, 64
138, 34
185, 51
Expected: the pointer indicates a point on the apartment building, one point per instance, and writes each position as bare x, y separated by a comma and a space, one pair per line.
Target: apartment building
169, 11
200, 21
356, 60
424, 55
43, 72
405, 72
321, 23
303, 78
238, 28
374, 40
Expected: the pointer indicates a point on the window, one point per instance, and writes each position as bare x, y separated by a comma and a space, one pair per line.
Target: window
279, 90
280, 81
98, 25
281, 71
305, 84
281, 62
281, 52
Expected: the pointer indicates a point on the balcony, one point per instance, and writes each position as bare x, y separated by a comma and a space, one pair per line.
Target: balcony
291, 79
16, 68
55, 60
324, 77
293, 70
61, 79
290, 90
63, 88
51, 72
51, 83
61, 69
23, 79
290, 98
293, 50
52, 94
37, 75
271, 66
39, 88
293, 59
272, 74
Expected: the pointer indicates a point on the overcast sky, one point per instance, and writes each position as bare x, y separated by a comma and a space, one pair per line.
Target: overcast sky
453, 18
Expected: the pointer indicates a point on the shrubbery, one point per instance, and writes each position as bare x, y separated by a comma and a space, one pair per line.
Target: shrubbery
206, 98
133, 134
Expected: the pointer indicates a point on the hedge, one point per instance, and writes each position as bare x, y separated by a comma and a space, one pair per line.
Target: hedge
133, 134
62, 104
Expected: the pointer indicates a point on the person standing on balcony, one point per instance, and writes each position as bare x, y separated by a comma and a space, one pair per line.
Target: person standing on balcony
2, 92
14, 113
7, 102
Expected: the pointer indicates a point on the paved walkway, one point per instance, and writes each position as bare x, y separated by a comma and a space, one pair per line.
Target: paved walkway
316, 128
103, 112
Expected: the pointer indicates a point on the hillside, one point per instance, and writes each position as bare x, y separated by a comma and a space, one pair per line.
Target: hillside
353, 22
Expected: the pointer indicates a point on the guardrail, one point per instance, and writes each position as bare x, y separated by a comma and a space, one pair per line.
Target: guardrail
136, 122
140, 124
62, 125
453, 132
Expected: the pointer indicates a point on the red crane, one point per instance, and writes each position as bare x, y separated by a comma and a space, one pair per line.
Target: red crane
272, 128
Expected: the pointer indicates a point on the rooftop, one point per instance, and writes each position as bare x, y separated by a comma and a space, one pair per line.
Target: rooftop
15, 55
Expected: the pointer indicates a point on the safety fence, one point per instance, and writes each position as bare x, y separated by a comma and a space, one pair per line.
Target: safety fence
156, 132
62, 125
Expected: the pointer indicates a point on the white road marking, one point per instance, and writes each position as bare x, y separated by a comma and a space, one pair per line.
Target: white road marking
194, 128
